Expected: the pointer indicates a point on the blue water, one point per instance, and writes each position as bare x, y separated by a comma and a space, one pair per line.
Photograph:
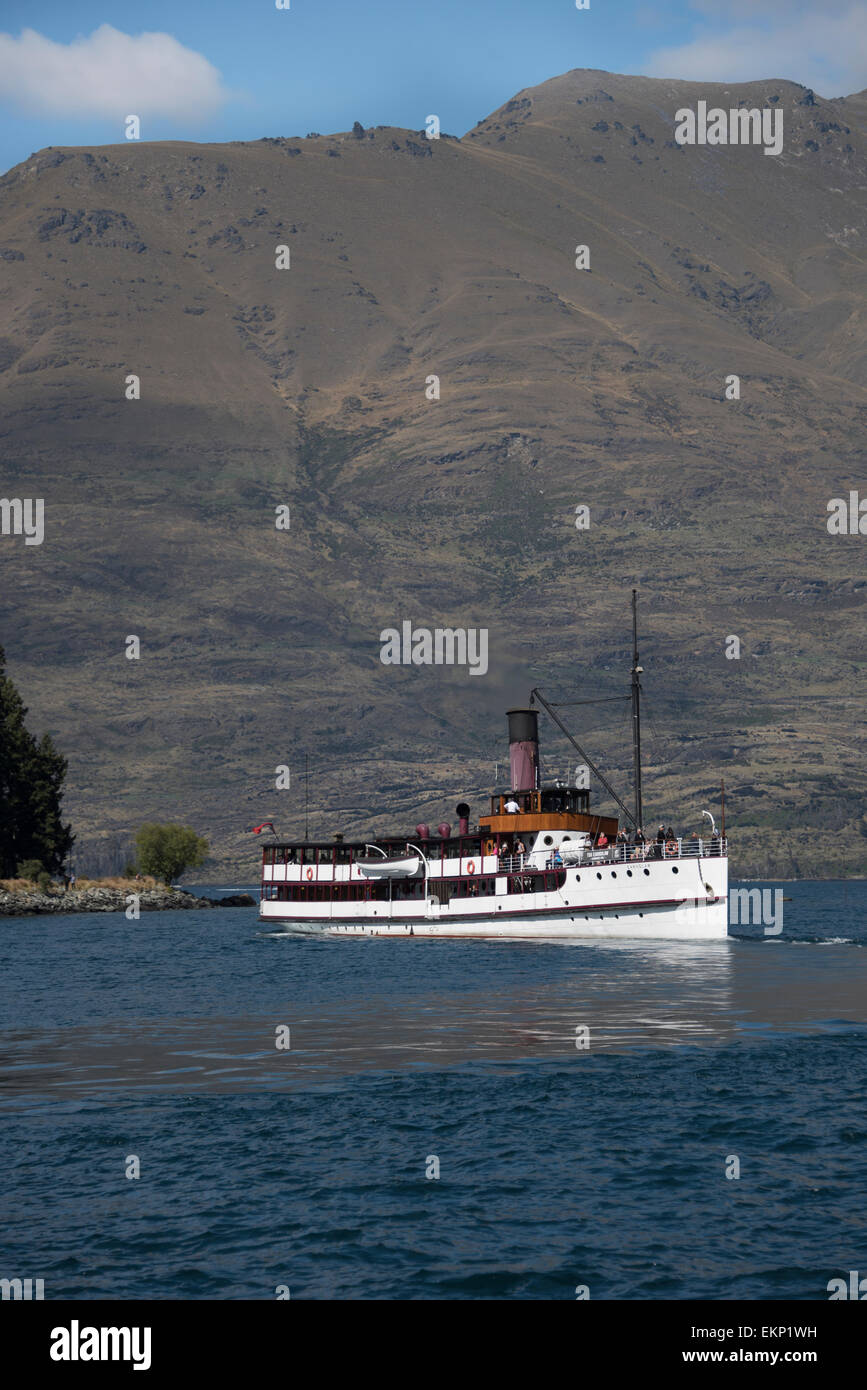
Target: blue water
558, 1166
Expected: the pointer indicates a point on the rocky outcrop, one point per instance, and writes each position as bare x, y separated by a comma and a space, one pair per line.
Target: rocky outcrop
26, 903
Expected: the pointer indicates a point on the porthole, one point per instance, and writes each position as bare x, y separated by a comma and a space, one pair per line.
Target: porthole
577, 878
565, 838
548, 840
613, 873
641, 914
598, 875
629, 873
647, 871
674, 869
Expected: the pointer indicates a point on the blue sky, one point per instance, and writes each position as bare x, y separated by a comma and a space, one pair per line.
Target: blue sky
241, 69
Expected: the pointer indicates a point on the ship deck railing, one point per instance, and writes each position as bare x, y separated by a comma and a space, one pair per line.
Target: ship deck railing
683, 848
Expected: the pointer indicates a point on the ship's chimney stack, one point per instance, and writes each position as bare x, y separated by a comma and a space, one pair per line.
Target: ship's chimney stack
462, 811
523, 749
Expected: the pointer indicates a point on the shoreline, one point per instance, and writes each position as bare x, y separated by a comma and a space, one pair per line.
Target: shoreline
35, 903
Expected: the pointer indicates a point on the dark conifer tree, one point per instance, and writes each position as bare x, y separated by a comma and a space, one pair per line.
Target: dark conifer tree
31, 789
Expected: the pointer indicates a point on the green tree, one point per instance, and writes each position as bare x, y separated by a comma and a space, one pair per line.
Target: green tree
165, 851
31, 789
29, 869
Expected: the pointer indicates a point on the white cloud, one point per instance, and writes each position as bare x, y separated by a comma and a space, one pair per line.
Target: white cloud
822, 44
108, 74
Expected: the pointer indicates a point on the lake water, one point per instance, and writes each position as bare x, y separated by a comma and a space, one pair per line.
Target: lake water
559, 1164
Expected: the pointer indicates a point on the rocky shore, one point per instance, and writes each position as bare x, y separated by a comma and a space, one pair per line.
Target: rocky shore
29, 903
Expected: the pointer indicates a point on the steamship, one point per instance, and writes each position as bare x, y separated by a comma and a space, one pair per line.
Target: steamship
538, 864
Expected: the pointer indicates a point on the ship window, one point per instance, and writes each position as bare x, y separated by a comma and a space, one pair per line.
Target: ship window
598, 875
407, 888
647, 871
674, 868
477, 887
548, 840
629, 873
307, 855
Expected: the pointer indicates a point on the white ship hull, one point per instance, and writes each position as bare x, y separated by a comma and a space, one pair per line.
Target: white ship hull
594, 903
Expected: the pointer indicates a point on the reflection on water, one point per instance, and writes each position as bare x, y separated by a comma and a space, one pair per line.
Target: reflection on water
627, 995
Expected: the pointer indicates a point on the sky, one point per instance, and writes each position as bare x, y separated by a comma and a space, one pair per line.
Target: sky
71, 71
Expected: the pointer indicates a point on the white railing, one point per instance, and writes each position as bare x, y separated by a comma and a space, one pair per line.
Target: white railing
681, 848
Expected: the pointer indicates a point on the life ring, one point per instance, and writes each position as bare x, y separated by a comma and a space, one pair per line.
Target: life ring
671, 848
471, 868
309, 875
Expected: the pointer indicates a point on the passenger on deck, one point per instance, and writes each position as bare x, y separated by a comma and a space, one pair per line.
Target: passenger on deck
602, 841
512, 806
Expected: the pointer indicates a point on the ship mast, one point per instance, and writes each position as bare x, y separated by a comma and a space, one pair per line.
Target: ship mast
636, 712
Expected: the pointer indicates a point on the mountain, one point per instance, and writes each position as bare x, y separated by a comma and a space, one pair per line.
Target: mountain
559, 388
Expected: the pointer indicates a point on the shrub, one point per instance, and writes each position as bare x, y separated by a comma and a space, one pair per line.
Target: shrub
30, 869
44, 880
167, 850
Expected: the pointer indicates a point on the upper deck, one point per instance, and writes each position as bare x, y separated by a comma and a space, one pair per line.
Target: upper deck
466, 856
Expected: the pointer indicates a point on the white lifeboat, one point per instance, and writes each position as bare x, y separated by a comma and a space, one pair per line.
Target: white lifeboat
403, 866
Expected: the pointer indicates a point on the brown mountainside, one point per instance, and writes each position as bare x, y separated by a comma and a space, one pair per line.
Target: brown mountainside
560, 387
